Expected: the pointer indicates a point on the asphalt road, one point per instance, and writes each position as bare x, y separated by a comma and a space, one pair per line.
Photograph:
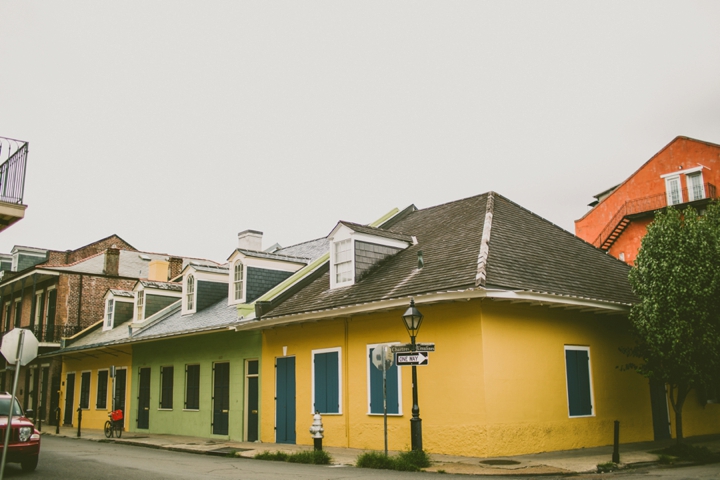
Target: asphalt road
67, 458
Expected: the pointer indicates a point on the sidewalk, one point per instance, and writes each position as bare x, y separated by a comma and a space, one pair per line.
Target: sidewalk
558, 463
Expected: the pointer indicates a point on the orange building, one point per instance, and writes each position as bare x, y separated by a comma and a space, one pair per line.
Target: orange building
685, 172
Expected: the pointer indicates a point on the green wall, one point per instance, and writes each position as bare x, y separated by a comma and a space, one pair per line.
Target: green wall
205, 350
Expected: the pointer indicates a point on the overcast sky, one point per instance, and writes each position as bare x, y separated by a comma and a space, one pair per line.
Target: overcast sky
177, 124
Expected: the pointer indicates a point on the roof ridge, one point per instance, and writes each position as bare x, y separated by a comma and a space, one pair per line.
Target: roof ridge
481, 274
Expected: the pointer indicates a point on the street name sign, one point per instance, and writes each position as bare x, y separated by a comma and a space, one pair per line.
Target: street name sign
419, 347
414, 358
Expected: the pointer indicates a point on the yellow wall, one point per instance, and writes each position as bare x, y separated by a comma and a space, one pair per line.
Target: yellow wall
494, 386
96, 360
698, 418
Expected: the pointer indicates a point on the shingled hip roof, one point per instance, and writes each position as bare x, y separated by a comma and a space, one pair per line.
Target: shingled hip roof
481, 243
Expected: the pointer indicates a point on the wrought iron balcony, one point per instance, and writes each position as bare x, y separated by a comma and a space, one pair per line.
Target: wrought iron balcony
646, 205
12, 170
51, 334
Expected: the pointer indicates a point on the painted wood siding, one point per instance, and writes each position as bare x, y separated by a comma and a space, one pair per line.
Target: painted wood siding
369, 254
155, 303
260, 280
209, 293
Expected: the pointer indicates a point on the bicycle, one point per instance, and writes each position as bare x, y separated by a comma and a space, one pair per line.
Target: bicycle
114, 425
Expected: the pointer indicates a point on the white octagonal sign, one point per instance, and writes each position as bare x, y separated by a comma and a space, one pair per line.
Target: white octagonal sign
9, 346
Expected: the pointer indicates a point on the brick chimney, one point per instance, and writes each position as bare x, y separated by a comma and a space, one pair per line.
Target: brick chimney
112, 262
176, 265
250, 240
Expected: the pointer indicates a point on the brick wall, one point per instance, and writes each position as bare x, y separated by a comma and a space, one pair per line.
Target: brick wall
97, 247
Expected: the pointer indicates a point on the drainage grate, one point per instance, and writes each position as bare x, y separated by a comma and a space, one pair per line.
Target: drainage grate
500, 462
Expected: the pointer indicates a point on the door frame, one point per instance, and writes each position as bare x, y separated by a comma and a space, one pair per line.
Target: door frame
212, 401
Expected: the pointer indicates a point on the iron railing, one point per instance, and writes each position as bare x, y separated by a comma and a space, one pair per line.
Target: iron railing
12, 171
53, 334
649, 204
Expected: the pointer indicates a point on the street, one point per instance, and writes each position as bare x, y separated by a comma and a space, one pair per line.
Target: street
67, 458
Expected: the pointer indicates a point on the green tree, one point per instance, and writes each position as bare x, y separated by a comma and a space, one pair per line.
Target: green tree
676, 322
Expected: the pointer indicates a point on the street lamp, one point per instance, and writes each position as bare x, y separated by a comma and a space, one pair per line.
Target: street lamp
412, 318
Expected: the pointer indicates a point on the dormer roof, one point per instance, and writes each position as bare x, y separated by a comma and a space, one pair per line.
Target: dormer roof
270, 256
170, 286
373, 231
120, 293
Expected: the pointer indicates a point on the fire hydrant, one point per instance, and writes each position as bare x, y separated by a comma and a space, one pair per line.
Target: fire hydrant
316, 430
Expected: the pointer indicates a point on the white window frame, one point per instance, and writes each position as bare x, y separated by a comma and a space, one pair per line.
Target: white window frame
140, 305
590, 375
241, 283
108, 387
690, 189
370, 348
350, 262
39, 302
109, 316
189, 290
669, 181
340, 379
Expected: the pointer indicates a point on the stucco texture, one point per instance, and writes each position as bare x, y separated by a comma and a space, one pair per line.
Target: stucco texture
495, 385
92, 361
205, 350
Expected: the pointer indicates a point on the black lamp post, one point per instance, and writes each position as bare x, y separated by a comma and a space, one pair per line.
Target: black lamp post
412, 318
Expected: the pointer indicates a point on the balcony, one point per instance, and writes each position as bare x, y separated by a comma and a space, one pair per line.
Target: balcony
52, 334
643, 206
12, 180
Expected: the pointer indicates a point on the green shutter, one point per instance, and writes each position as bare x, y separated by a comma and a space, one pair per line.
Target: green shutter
577, 363
327, 382
376, 389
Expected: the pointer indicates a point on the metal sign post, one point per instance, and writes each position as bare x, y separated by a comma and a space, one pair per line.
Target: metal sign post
382, 358
19, 346
8, 428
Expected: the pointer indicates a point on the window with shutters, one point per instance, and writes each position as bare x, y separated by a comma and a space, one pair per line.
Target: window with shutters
166, 387
85, 390
326, 381
375, 388
102, 390
192, 387
579, 381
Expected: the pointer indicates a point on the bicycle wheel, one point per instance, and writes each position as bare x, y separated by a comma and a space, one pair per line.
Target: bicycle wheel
108, 429
118, 429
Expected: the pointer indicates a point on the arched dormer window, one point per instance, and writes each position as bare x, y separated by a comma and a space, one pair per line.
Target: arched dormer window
190, 292
238, 280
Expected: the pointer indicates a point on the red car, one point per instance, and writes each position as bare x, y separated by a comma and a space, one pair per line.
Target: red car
24, 446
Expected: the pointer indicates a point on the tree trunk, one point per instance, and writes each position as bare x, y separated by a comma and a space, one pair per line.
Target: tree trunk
682, 393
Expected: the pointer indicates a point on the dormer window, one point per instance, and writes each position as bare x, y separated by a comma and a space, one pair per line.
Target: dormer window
139, 305
109, 313
238, 277
190, 293
355, 249
342, 265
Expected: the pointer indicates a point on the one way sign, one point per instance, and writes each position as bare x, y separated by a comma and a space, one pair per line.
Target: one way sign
415, 358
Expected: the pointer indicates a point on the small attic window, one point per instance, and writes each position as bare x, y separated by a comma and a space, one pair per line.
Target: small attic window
342, 266
109, 307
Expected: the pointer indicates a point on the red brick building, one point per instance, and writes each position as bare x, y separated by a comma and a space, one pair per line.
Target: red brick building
57, 294
684, 172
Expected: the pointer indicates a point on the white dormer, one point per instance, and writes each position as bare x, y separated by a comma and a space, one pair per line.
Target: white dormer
252, 273
202, 285
152, 296
118, 308
355, 248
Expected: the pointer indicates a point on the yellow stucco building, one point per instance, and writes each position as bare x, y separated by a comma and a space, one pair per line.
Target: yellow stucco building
526, 319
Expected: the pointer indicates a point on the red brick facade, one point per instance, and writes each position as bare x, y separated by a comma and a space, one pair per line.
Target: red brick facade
619, 221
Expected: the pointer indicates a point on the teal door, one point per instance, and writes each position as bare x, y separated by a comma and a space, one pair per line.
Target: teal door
285, 400
658, 403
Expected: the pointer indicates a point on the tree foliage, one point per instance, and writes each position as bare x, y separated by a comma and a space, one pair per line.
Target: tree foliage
676, 322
